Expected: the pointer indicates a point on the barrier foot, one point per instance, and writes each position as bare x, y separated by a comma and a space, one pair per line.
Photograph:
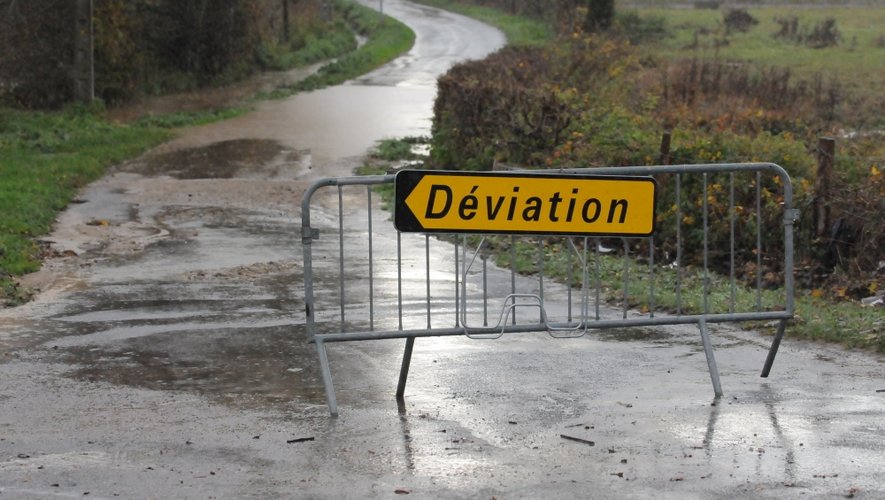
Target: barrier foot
775, 344
711, 361
326, 372
404, 371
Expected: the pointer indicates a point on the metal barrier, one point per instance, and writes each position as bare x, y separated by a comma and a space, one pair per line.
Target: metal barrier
364, 280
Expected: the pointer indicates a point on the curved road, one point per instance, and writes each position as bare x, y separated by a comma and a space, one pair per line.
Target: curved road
166, 357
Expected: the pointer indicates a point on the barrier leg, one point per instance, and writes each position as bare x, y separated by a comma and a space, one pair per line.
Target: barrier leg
404, 370
711, 361
327, 378
775, 344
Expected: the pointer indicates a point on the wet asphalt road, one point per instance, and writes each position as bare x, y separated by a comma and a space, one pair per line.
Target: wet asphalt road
167, 358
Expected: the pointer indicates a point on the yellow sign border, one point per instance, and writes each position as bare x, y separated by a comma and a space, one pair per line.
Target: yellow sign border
524, 203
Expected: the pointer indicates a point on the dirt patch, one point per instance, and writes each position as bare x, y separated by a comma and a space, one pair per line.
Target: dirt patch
251, 271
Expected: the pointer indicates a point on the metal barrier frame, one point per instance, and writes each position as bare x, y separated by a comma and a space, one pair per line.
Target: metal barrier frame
571, 328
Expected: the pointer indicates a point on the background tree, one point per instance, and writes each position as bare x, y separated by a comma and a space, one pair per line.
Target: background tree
600, 14
36, 51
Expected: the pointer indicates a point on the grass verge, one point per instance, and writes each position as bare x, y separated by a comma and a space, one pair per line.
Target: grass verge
519, 30
387, 38
45, 158
847, 323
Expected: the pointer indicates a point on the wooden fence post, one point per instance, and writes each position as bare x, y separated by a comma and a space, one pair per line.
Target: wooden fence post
665, 149
826, 150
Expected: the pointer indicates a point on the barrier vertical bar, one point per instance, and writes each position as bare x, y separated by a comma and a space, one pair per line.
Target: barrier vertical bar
790, 217
540, 246
485, 290
706, 248
570, 284
598, 276
585, 282
399, 279
731, 212
678, 244
427, 275
758, 241
626, 276
371, 262
341, 254
459, 280
513, 273
651, 276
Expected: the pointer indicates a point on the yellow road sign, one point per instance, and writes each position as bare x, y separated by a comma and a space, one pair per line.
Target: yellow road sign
494, 202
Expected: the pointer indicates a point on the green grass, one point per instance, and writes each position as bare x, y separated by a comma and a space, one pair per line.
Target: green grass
519, 30
847, 323
44, 159
190, 118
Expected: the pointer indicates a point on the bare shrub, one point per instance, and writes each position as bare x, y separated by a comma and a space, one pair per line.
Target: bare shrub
745, 98
789, 27
823, 34
739, 20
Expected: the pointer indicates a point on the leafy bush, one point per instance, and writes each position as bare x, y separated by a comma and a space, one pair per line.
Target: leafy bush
497, 109
517, 105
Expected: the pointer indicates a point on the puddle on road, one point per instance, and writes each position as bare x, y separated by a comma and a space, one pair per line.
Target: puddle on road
270, 365
234, 340
223, 160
